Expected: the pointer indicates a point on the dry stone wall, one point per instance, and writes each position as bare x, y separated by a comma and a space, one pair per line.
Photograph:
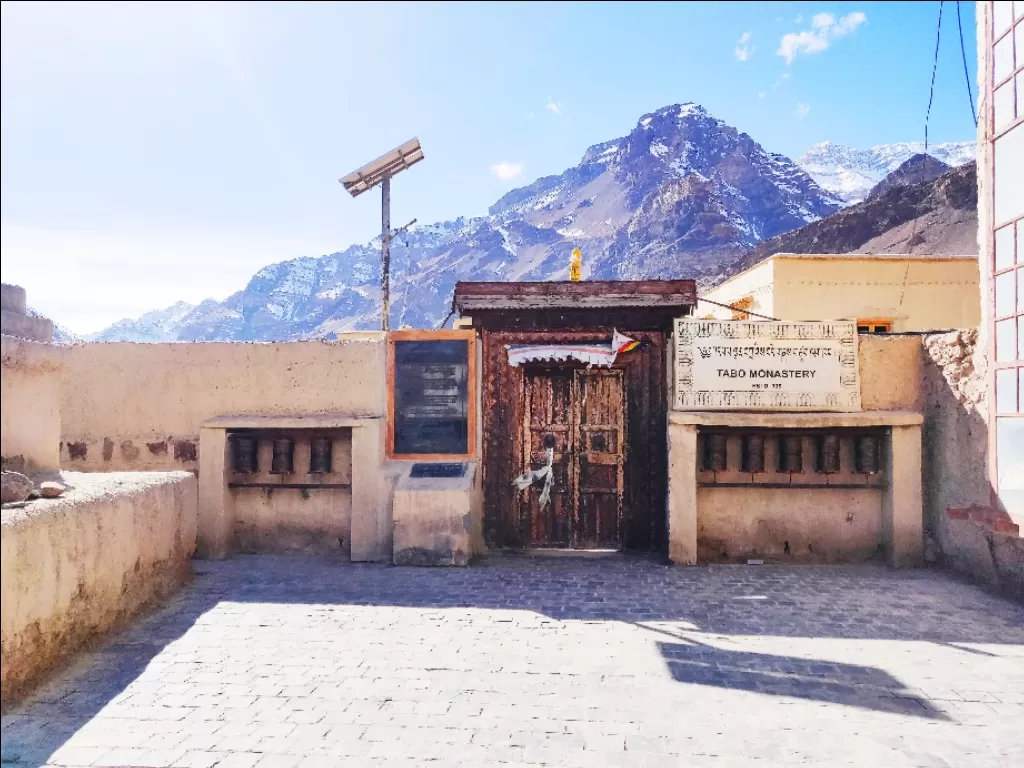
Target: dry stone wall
970, 534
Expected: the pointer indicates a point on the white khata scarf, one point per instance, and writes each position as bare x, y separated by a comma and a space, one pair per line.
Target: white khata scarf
545, 473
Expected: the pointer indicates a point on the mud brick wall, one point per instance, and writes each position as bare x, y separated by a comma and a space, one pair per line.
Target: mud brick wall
140, 406
80, 565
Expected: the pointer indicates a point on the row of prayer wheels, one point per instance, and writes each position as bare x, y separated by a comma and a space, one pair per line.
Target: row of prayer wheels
866, 453
245, 455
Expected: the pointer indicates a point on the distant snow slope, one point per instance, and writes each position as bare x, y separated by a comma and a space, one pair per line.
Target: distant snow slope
850, 173
158, 325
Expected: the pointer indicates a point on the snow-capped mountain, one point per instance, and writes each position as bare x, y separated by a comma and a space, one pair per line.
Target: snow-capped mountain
936, 215
917, 169
158, 325
680, 196
850, 173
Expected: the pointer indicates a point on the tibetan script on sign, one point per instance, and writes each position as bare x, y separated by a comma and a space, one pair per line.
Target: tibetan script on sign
723, 365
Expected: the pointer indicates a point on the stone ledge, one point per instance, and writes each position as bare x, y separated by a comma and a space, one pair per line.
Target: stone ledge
313, 421
777, 420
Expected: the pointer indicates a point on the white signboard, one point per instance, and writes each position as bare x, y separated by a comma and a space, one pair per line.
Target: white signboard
726, 365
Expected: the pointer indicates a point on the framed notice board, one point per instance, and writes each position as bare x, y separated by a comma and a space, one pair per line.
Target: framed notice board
431, 395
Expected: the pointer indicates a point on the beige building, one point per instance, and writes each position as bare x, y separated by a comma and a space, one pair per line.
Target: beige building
883, 293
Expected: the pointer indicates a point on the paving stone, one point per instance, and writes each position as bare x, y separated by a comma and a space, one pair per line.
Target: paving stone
296, 661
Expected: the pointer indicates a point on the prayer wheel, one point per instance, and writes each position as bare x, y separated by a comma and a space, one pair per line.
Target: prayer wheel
245, 454
715, 456
281, 462
753, 453
866, 455
828, 454
320, 455
791, 453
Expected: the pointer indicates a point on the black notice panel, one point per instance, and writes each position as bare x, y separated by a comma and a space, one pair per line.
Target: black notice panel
431, 414
438, 470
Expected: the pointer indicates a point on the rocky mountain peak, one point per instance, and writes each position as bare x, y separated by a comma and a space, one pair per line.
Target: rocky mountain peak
918, 168
681, 195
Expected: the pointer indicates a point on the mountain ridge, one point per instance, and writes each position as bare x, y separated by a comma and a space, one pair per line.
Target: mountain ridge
901, 219
682, 194
850, 173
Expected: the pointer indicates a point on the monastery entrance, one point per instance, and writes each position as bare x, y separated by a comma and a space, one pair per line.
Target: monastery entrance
574, 410
573, 444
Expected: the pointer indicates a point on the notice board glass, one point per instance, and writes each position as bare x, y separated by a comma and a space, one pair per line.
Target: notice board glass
431, 394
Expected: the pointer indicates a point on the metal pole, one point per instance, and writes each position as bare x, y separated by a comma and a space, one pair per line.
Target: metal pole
385, 254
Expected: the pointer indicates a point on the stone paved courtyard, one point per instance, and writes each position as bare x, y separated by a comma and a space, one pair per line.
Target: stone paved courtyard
275, 661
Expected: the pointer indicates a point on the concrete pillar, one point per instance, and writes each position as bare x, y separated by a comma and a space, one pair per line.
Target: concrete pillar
682, 494
216, 508
902, 504
371, 491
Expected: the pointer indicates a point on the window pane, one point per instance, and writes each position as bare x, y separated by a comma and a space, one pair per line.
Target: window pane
1002, 102
1009, 176
1018, 79
1004, 247
1006, 390
1006, 294
1018, 9
1002, 15
1010, 463
1002, 55
1006, 340
1020, 337
1020, 289
1020, 381
1020, 232
1018, 34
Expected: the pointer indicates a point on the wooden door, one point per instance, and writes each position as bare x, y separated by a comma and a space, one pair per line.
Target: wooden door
599, 455
547, 421
580, 415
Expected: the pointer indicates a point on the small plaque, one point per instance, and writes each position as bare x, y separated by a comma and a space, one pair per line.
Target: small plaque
438, 470
724, 365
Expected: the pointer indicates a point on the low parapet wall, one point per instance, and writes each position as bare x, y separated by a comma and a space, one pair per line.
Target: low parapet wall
77, 566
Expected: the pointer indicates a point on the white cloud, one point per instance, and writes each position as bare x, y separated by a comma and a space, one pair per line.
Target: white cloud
824, 29
761, 94
780, 80
802, 110
554, 107
743, 48
799, 19
507, 171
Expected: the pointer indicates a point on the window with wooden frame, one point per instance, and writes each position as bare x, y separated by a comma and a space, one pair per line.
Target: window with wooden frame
1003, 137
432, 395
874, 325
740, 305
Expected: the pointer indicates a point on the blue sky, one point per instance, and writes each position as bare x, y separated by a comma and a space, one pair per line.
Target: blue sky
158, 152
